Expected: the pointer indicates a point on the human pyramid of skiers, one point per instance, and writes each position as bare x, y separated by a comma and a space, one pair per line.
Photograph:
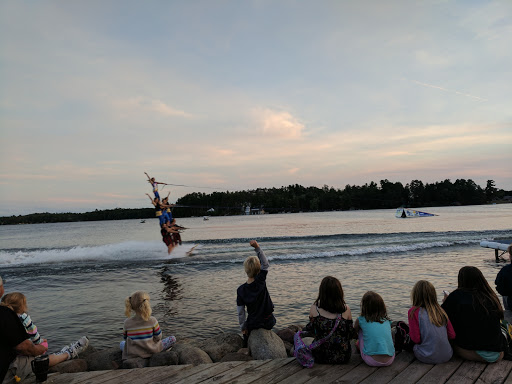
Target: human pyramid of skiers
168, 228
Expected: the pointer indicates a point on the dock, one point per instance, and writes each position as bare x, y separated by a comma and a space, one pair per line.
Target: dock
404, 370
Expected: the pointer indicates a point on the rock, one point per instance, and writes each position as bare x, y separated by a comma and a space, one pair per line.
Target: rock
70, 366
264, 344
289, 348
136, 362
245, 351
164, 358
286, 334
295, 327
87, 352
106, 359
236, 356
218, 346
188, 354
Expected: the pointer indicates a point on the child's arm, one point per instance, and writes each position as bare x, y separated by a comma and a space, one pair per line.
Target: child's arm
157, 332
356, 325
450, 330
240, 307
241, 316
261, 256
414, 325
31, 328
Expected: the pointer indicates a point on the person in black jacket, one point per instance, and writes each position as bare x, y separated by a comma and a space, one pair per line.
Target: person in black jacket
504, 282
475, 313
254, 295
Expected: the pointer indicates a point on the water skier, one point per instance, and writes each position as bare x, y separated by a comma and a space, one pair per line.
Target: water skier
154, 184
158, 209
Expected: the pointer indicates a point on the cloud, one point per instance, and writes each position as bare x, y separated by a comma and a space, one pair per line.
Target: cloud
149, 105
280, 124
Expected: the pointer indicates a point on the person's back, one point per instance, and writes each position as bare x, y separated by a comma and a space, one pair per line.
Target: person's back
434, 347
142, 333
336, 349
475, 313
476, 327
143, 337
373, 326
323, 314
504, 284
254, 294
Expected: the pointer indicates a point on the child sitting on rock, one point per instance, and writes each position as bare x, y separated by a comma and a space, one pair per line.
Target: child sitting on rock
254, 295
142, 333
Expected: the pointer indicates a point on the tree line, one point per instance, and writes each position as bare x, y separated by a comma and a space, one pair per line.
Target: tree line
297, 198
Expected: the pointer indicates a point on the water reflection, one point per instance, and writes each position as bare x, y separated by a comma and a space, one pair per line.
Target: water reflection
172, 291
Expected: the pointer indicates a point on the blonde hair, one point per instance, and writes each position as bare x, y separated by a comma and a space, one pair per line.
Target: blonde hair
15, 301
423, 295
252, 266
138, 302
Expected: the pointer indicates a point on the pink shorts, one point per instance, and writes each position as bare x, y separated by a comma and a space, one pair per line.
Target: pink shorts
370, 360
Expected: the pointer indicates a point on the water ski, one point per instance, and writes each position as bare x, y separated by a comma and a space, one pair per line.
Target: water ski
189, 252
184, 250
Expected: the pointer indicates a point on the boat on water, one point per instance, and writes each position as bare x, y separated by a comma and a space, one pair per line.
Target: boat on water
142, 221
403, 213
206, 218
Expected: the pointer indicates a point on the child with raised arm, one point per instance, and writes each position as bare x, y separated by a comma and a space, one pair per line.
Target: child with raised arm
159, 209
154, 184
17, 302
374, 327
142, 333
254, 295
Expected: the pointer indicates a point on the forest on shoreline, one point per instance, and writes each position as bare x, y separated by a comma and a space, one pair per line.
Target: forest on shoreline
297, 198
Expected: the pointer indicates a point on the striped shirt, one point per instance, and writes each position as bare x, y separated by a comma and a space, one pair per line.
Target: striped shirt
143, 338
31, 328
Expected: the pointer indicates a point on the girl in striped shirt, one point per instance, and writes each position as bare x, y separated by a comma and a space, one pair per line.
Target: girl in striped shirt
142, 333
17, 302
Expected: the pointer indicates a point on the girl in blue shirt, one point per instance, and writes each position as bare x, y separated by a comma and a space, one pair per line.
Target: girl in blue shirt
375, 342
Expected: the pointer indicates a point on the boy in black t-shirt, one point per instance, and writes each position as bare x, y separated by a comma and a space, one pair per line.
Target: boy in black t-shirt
254, 295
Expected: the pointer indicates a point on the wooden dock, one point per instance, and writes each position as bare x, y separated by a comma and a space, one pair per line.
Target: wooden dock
405, 369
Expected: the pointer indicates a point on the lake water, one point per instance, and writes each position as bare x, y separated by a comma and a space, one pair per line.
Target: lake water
77, 275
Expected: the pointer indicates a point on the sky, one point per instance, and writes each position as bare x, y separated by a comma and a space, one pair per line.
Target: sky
221, 95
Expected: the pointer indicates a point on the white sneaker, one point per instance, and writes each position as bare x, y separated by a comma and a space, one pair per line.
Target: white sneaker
77, 347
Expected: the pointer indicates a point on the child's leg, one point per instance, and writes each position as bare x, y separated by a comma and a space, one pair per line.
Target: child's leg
56, 358
168, 342
121, 345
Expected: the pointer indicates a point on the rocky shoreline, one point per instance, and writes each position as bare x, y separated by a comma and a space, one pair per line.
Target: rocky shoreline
262, 345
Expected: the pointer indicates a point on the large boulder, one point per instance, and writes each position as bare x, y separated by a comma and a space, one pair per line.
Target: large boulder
286, 334
188, 354
264, 344
70, 366
106, 359
136, 362
219, 346
164, 358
